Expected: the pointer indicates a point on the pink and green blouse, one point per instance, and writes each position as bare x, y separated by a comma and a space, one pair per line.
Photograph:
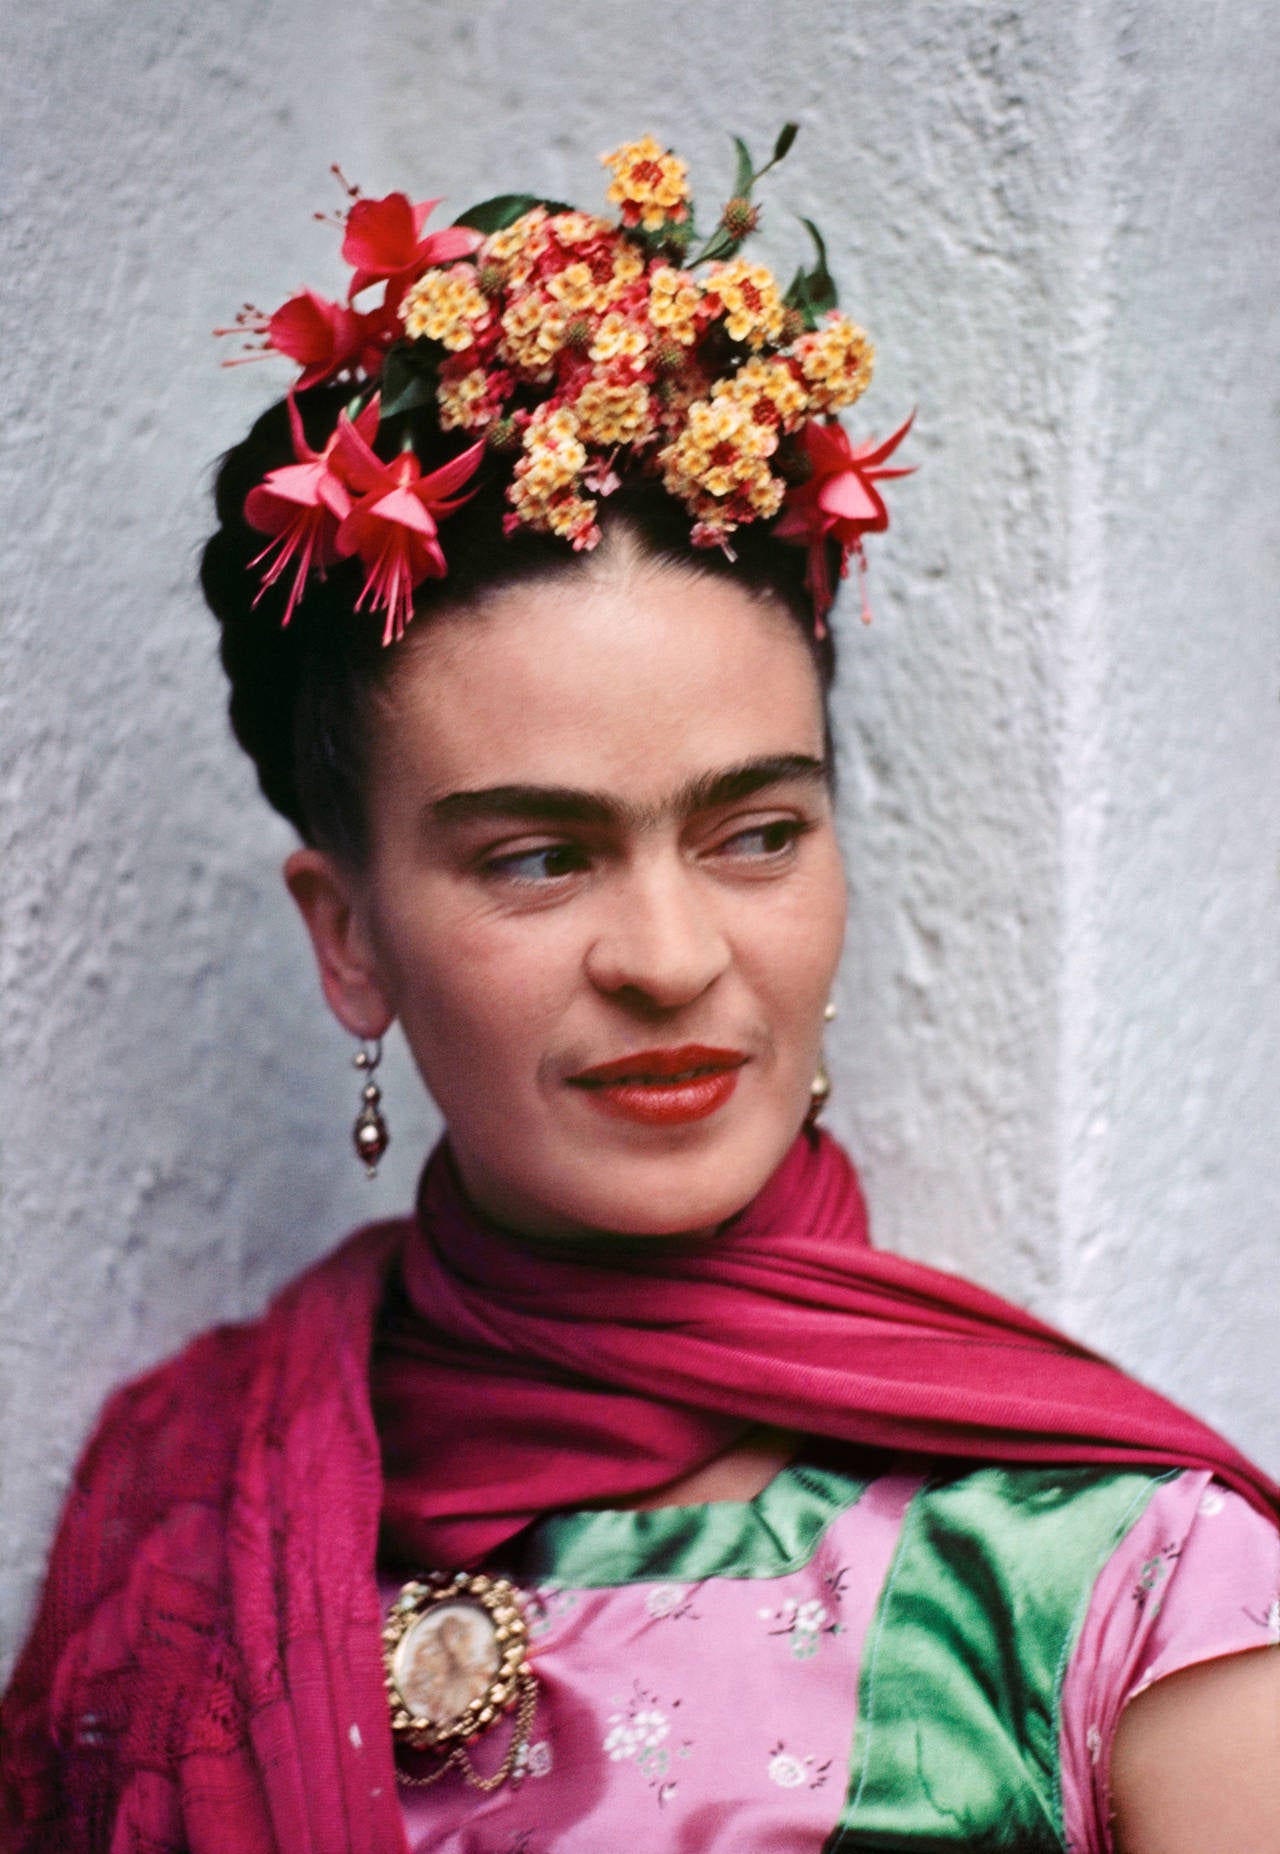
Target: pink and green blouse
883, 1659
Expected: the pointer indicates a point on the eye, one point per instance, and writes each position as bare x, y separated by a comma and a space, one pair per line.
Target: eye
770, 841
542, 863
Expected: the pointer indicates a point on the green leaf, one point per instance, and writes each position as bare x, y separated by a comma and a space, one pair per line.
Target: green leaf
408, 379
813, 292
745, 175
797, 297
819, 284
720, 245
503, 210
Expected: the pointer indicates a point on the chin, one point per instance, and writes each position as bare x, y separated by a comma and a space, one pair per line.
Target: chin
665, 1193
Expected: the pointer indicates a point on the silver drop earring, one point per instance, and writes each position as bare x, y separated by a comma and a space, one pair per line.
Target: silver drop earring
369, 1134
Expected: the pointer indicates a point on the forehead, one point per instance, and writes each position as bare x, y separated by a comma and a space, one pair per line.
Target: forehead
633, 683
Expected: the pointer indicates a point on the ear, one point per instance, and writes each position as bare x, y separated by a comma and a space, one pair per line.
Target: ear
329, 902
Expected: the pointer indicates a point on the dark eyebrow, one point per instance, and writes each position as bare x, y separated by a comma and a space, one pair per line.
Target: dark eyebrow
568, 805
726, 788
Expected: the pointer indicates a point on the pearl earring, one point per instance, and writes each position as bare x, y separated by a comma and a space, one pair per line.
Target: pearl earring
369, 1134
820, 1087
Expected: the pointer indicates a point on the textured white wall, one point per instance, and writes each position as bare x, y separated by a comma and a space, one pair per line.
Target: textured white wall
1058, 1057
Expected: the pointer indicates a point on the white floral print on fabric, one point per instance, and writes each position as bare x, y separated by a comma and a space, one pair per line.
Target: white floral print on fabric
790, 1772
674, 1601
638, 1733
1195, 1578
546, 1604
786, 1771
532, 1760
724, 1691
806, 1623
620, 1741
1153, 1574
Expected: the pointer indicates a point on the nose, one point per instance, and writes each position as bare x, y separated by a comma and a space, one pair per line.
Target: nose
661, 943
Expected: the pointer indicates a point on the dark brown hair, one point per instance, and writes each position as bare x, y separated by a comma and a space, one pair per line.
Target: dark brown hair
301, 695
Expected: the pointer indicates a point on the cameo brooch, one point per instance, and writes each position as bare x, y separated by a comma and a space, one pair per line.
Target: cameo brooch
455, 1648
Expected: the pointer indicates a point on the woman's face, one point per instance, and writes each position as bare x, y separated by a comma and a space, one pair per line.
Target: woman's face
604, 896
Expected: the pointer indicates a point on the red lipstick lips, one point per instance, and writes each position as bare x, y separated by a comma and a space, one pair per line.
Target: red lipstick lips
663, 1087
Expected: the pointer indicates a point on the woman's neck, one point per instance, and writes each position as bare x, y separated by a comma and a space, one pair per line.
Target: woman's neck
744, 1470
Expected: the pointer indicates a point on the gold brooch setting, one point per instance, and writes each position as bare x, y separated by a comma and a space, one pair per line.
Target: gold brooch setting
455, 1650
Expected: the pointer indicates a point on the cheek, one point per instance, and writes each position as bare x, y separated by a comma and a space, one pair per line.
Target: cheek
473, 991
805, 936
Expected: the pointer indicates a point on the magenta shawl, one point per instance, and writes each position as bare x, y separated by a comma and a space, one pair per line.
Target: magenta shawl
204, 1673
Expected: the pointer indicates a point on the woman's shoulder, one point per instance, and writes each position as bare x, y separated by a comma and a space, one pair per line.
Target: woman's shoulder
1072, 1592
202, 1386
1032, 1604
1140, 1570
171, 1435
140, 1555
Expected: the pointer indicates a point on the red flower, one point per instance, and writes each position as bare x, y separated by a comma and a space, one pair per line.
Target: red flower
384, 241
393, 525
839, 502
301, 506
324, 337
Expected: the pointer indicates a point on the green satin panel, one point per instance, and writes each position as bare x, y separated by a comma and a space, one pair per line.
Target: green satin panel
957, 1737
775, 1533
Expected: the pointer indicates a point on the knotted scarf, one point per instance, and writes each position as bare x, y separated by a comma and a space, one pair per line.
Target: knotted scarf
512, 1379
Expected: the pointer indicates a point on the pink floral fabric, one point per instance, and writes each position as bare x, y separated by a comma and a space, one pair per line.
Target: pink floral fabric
1197, 1577
719, 1714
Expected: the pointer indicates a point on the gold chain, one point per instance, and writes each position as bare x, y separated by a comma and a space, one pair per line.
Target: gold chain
460, 1757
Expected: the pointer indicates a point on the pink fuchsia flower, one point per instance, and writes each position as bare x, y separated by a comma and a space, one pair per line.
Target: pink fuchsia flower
325, 337
392, 527
301, 506
839, 502
385, 244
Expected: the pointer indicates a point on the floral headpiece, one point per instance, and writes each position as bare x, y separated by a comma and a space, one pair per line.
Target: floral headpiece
572, 347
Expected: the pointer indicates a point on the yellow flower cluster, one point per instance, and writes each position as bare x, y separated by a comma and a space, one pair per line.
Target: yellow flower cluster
518, 246
614, 411
674, 301
721, 457
532, 335
573, 518
620, 338
543, 494
465, 402
611, 336
836, 360
769, 390
574, 288
754, 310
718, 464
628, 267
580, 228
445, 305
580, 289
649, 185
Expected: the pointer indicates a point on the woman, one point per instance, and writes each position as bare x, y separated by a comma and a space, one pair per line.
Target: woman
622, 1491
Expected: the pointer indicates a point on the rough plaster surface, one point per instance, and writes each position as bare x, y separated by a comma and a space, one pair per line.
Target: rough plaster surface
1058, 1058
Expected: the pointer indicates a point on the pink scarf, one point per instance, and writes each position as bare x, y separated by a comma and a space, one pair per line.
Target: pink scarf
509, 1381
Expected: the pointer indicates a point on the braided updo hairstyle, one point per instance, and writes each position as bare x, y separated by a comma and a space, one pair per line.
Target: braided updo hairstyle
301, 694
